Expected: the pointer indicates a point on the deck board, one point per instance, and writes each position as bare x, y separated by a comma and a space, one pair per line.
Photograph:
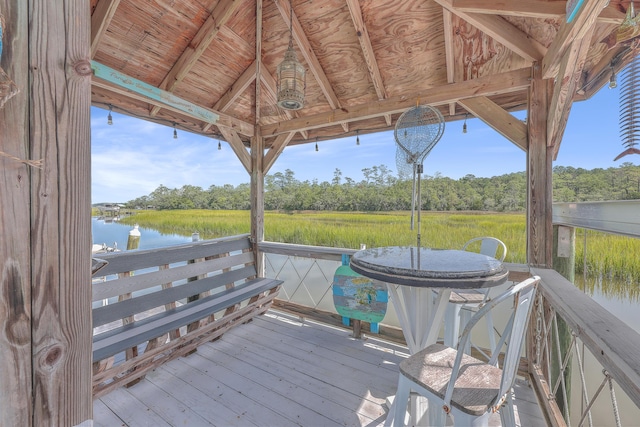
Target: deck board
273, 371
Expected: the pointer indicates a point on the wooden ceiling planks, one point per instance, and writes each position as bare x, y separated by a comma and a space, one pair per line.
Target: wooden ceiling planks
358, 54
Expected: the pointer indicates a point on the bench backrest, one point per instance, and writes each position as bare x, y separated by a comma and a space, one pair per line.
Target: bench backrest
140, 281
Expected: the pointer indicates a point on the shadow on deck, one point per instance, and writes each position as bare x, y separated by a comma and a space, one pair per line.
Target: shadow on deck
274, 371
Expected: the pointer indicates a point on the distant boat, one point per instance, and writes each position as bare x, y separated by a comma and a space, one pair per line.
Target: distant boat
103, 248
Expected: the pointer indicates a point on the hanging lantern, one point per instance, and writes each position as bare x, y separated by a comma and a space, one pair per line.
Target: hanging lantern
291, 76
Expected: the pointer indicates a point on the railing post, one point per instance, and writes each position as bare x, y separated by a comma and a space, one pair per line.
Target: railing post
564, 262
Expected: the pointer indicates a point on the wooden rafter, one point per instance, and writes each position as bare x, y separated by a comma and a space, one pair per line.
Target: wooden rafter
100, 20
236, 89
564, 90
447, 19
501, 31
367, 48
238, 147
568, 32
508, 82
199, 44
367, 51
310, 57
499, 119
532, 9
276, 149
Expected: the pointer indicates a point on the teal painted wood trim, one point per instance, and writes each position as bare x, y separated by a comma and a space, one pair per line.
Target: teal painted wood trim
573, 6
138, 86
375, 328
1, 34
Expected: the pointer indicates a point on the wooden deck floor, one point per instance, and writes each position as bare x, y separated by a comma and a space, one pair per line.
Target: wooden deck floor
274, 371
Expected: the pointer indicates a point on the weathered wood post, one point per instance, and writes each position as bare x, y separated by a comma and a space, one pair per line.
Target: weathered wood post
564, 262
133, 242
45, 216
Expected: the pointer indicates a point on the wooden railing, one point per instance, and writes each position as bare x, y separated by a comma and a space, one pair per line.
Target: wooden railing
571, 333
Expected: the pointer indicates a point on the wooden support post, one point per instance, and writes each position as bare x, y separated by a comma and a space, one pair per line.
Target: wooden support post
539, 157
564, 262
45, 216
257, 198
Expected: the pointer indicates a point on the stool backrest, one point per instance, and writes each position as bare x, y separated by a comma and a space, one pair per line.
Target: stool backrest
489, 246
523, 295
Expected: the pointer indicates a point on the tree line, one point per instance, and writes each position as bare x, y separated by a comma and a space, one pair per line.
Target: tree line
381, 190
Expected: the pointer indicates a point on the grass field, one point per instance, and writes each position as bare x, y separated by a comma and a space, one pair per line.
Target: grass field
607, 256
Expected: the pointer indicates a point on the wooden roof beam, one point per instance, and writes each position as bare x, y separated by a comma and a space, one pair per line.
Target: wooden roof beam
449, 55
584, 19
499, 119
276, 149
367, 52
310, 57
532, 9
238, 147
564, 90
100, 20
198, 45
367, 48
494, 84
501, 31
246, 78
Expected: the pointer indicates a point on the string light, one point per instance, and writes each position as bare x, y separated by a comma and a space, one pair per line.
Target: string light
613, 80
358, 137
464, 125
175, 132
316, 143
219, 146
109, 118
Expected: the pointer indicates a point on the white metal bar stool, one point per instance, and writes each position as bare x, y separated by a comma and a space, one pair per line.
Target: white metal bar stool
462, 386
463, 303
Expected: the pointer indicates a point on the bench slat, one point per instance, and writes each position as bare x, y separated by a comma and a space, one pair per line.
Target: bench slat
139, 259
127, 336
124, 285
132, 306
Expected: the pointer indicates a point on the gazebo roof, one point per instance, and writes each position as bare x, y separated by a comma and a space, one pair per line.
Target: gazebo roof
366, 61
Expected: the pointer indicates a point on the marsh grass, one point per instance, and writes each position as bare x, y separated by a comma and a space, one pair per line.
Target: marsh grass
607, 256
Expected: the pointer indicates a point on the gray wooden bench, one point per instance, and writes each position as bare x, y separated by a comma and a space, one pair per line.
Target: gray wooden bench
161, 304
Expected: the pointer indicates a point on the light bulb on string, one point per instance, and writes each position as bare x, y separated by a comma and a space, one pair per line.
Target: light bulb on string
219, 146
358, 137
613, 80
109, 118
464, 125
175, 132
316, 143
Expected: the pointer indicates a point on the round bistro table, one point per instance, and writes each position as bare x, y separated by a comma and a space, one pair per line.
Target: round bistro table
420, 281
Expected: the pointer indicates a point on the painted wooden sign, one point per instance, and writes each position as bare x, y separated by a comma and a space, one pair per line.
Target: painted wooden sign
137, 86
358, 297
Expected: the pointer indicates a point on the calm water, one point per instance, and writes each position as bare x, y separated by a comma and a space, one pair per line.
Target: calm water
114, 232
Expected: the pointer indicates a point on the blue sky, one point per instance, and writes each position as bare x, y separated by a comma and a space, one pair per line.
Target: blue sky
132, 157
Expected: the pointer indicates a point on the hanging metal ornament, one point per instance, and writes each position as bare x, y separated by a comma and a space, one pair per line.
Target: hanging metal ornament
630, 108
